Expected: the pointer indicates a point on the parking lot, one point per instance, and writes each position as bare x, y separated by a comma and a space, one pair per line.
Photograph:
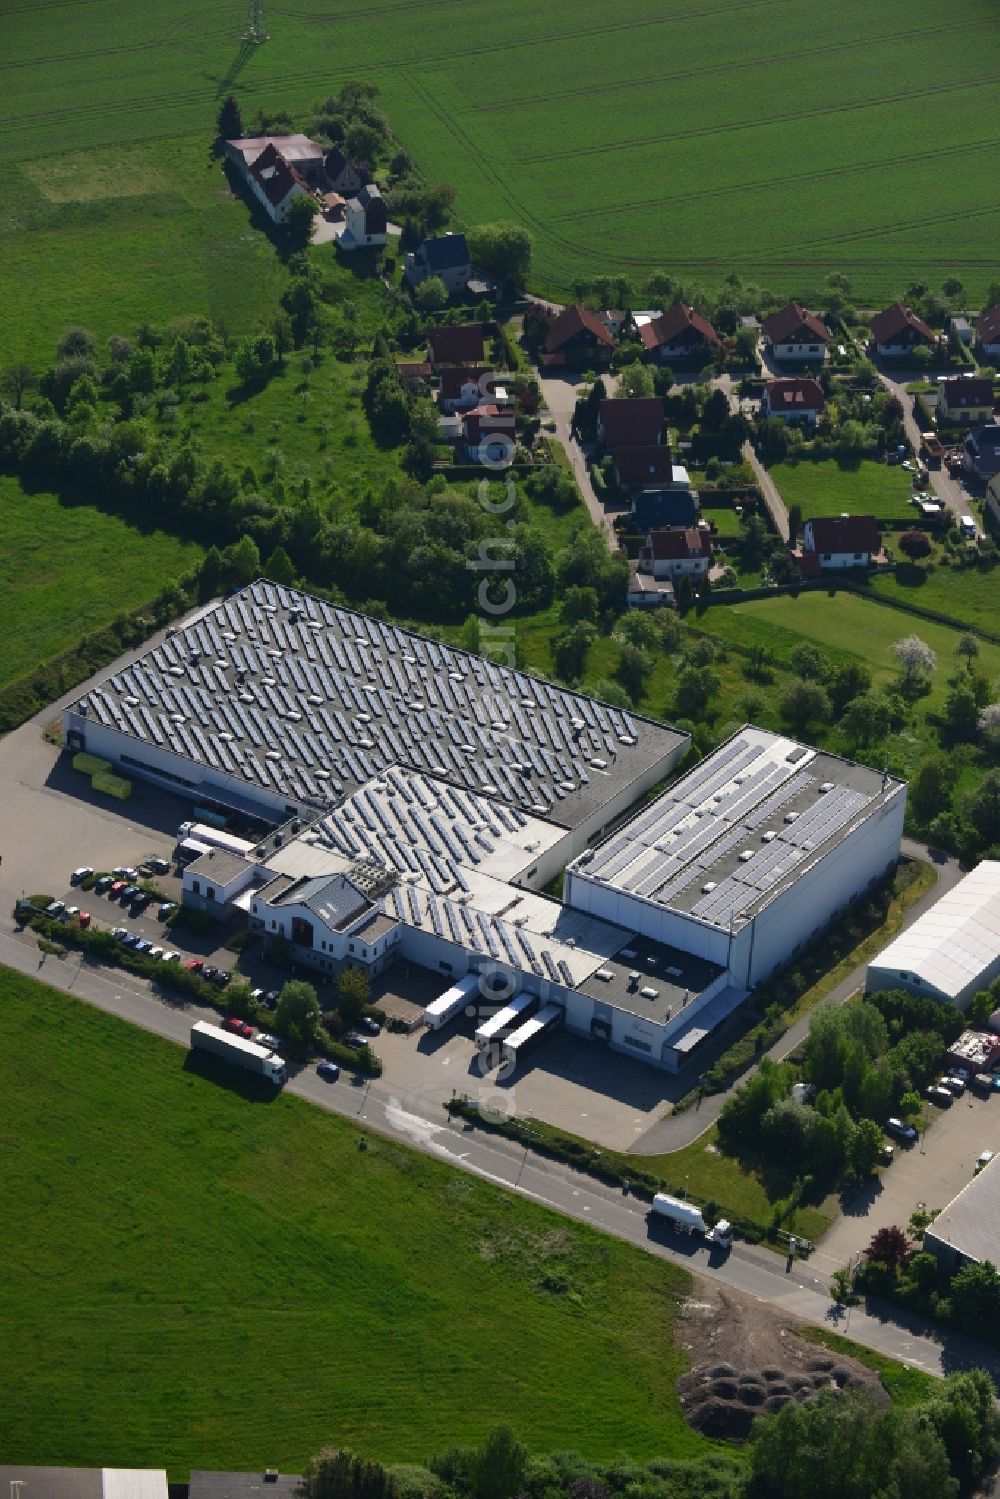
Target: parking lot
929, 1173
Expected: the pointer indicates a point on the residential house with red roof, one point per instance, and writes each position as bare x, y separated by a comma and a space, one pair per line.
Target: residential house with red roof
578, 336
966, 399
489, 436
988, 332
837, 541
461, 343
346, 177
794, 333
794, 400
300, 152
367, 221
630, 422
897, 331
668, 554
678, 333
647, 469
274, 182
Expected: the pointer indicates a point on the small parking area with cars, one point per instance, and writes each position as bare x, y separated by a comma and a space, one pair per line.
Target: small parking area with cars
929, 1172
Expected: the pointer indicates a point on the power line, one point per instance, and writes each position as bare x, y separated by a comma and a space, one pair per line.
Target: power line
255, 31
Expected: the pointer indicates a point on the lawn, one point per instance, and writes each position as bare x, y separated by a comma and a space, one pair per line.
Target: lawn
113, 211
967, 594
200, 1279
67, 570
827, 487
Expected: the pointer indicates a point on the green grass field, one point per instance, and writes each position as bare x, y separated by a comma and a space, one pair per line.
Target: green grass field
192, 1278
66, 570
771, 139
968, 594
825, 487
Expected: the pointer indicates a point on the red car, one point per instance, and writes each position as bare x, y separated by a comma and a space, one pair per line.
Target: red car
117, 887
195, 964
84, 918
238, 1027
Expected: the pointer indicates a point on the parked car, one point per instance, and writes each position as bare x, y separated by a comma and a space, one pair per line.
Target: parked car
238, 1027
157, 866
140, 902
352, 1038
55, 908
143, 945
124, 872
84, 919
328, 1071
257, 995
962, 1072
271, 999
983, 1160
129, 893
70, 912
936, 1094
954, 1084
171, 957
120, 932
168, 907
982, 1082
104, 883
83, 873
264, 1038
370, 1025
221, 978
209, 973
156, 953
195, 964
130, 939
117, 886
901, 1130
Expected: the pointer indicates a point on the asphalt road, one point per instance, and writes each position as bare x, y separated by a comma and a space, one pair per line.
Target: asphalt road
796, 1287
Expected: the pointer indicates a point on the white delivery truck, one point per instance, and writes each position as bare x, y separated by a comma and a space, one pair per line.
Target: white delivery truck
201, 833
245, 1054
688, 1219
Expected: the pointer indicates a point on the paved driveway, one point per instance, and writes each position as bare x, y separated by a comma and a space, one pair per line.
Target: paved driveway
560, 395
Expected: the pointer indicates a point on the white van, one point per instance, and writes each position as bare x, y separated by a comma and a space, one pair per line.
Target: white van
967, 526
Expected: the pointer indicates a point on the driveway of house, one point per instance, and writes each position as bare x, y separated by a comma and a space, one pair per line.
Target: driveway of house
560, 395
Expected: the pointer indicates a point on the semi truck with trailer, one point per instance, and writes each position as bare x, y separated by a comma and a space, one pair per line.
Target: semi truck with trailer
200, 832
246, 1054
688, 1219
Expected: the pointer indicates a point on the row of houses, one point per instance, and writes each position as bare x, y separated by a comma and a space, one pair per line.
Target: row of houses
279, 169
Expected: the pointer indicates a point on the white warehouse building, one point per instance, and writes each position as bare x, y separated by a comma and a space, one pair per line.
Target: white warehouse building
953, 950
426, 797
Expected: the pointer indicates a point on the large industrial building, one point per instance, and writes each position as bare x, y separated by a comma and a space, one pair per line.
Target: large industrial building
953, 950
967, 1231
427, 798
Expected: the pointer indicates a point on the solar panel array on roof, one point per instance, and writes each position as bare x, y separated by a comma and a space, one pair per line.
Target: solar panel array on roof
298, 686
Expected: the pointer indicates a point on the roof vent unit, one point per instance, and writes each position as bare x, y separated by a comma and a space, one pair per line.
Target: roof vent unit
604, 974
633, 979
177, 718
746, 855
599, 764
650, 962
628, 952
826, 786
791, 816
272, 754
649, 993
708, 887
769, 836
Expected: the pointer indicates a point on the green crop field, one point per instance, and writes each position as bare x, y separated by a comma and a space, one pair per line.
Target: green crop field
772, 137
194, 1278
66, 570
827, 487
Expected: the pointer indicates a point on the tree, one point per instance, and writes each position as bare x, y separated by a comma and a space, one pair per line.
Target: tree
210, 576
695, 687
967, 647
915, 544
18, 378
915, 657
809, 662
339, 1474
961, 715
633, 668
931, 786
76, 343
989, 723
502, 249
579, 603
612, 693
684, 593
635, 380
867, 719
299, 217
297, 1013
353, 989
431, 295
570, 650
845, 682
363, 141
279, 568
982, 808
889, 1246
229, 122
242, 561
502, 1465
981, 1008
804, 703
975, 1296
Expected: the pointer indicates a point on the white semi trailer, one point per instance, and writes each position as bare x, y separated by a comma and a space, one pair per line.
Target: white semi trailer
245, 1054
688, 1219
201, 833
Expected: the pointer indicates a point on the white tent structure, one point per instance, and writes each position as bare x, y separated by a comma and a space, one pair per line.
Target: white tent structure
952, 951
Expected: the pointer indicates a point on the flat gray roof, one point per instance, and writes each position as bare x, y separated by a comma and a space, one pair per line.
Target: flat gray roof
724, 839
208, 1485
676, 976
295, 697
970, 1224
218, 864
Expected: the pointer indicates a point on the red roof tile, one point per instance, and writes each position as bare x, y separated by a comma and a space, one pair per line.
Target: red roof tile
783, 327
795, 395
988, 325
677, 545
461, 344
644, 466
673, 323
965, 392
275, 176
844, 533
887, 325
632, 422
455, 376
574, 320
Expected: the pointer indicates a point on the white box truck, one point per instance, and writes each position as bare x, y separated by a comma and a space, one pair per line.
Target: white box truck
688, 1219
245, 1054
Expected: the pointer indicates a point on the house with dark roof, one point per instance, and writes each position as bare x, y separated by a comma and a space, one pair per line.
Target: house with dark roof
345, 177
678, 333
578, 336
794, 333
837, 541
794, 400
969, 398
897, 331
367, 221
981, 452
274, 182
462, 343
446, 256
630, 422
662, 508
988, 332
645, 468
464, 386
488, 435
299, 151
669, 553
